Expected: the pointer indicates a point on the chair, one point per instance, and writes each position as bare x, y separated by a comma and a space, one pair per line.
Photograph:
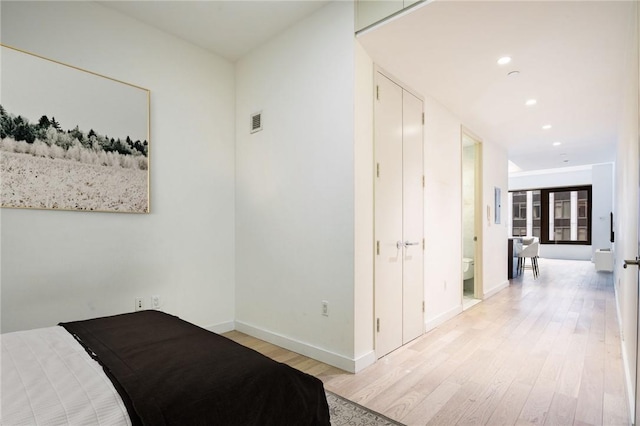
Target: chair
532, 251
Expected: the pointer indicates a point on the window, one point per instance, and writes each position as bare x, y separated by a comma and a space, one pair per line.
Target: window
555, 215
536, 211
519, 213
527, 213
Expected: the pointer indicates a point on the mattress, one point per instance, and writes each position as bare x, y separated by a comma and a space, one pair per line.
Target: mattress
49, 379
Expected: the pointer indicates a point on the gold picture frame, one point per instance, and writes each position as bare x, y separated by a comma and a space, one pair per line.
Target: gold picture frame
71, 139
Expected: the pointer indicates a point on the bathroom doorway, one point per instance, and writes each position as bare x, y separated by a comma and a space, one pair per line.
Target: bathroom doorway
471, 220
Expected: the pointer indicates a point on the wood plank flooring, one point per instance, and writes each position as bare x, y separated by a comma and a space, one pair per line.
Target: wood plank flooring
541, 352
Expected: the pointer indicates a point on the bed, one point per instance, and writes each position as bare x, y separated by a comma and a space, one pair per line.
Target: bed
149, 368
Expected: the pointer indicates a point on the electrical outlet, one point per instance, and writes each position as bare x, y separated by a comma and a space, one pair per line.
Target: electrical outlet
325, 308
155, 301
139, 303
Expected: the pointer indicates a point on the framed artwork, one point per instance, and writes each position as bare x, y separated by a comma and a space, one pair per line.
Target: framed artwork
71, 139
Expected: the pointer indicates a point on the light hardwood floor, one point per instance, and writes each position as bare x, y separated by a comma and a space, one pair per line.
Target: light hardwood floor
543, 351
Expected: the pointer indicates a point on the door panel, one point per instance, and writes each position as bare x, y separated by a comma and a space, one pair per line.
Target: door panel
388, 216
399, 283
413, 218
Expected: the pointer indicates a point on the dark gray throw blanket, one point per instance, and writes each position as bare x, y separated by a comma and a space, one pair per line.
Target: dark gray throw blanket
171, 372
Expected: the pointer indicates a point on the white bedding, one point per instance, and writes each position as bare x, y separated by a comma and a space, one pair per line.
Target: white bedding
47, 378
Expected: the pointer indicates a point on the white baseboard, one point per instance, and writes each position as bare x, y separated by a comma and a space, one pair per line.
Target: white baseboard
364, 361
433, 323
493, 291
322, 355
629, 381
222, 327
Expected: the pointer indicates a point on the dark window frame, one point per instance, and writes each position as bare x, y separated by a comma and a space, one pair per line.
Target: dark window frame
544, 213
544, 194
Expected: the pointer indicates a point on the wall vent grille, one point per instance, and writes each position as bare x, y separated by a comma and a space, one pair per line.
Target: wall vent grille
256, 122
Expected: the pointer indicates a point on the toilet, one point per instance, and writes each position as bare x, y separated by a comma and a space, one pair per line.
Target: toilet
467, 268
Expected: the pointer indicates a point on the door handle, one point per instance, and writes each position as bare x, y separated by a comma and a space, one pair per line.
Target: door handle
631, 262
407, 243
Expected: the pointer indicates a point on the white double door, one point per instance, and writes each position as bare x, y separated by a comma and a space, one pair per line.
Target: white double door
399, 218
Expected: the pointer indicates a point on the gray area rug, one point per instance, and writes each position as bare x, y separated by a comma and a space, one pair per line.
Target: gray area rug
345, 412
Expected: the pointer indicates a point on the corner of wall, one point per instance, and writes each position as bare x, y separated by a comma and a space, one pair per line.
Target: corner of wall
363, 208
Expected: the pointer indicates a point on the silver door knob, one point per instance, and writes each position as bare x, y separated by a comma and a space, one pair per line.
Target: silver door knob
399, 245
631, 262
408, 243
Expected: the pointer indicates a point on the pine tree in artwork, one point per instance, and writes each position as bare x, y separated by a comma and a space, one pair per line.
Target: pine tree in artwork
44, 122
55, 124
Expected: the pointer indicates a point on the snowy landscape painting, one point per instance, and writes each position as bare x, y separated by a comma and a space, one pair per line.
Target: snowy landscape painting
71, 139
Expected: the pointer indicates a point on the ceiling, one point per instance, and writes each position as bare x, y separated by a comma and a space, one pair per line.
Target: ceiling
570, 57
231, 29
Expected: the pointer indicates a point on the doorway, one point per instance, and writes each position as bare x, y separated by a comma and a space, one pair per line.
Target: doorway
471, 220
399, 216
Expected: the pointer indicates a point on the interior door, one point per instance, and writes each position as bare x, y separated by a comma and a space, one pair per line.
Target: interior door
398, 216
413, 218
637, 285
388, 216
636, 262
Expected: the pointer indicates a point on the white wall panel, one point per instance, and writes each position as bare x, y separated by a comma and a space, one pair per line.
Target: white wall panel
443, 213
295, 185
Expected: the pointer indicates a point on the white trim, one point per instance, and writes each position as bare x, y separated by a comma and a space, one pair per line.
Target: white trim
629, 382
364, 361
222, 327
442, 318
322, 355
495, 290
558, 170
529, 208
396, 15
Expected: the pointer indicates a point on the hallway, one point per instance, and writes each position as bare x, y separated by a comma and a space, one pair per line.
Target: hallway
543, 351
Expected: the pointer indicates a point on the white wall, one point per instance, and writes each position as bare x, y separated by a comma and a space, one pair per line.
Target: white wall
600, 177
566, 176
443, 214
494, 235
295, 188
364, 208
60, 266
626, 212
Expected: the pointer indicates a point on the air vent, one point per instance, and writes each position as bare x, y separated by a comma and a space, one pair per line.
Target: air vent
256, 122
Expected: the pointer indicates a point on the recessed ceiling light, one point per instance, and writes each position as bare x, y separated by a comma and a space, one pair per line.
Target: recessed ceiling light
513, 74
504, 60
558, 144
546, 126
531, 102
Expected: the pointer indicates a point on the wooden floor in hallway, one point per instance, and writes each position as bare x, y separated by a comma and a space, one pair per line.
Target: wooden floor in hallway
543, 352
